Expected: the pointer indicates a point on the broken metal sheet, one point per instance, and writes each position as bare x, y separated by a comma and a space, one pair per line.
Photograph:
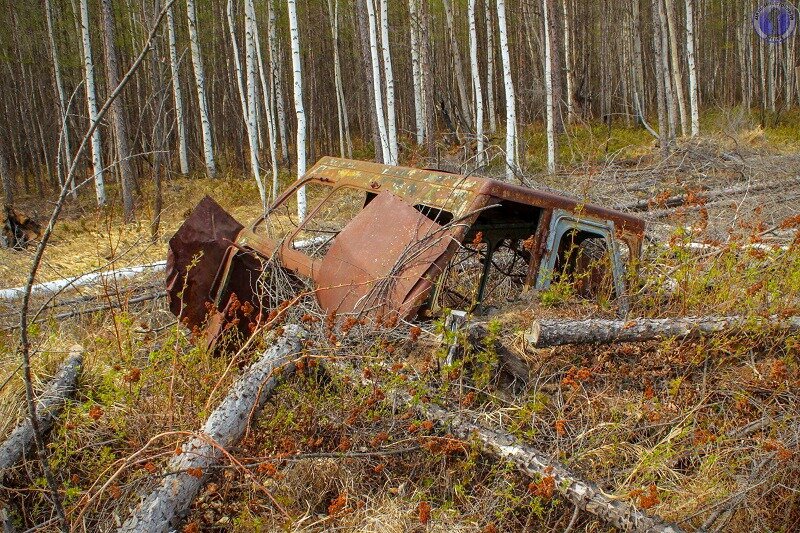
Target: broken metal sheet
198, 247
377, 260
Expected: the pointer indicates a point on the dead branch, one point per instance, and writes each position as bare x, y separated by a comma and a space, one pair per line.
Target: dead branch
558, 332
165, 506
584, 494
60, 388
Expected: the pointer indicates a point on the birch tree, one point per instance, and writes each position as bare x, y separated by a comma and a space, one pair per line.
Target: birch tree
461, 82
416, 71
200, 82
677, 79
276, 79
568, 66
508, 84
177, 96
345, 144
476, 81
5, 177
118, 118
692, 67
59, 86
268, 95
377, 80
490, 49
91, 101
388, 78
660, 92
298, 106
252, 96
548, 83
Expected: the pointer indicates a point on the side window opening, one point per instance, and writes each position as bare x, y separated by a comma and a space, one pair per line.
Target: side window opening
320, 229
584, 261
282, 219
438, 215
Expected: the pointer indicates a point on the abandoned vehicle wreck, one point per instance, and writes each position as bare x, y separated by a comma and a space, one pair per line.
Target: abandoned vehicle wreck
384, 241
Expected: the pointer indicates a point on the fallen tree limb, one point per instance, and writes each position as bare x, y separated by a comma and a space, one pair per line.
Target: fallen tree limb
478, 332
681, 199
166, 505
83, 280
584, 494
546, 333
60, 388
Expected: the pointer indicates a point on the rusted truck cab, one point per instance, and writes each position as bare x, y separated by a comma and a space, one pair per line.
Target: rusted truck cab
379, 240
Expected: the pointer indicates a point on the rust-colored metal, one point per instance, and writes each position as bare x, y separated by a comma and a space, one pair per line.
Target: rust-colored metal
385, 260
379, 257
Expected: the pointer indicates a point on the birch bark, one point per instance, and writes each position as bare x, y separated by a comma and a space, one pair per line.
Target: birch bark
461, 82
200, 81
91, 99
268, 94
252, 96
476, 82
377, 82
548, 85
490, 50
177, 96
276, 78
677, 79
692, 67
298, 106
345, 145
388, 78
511, 112
416, 71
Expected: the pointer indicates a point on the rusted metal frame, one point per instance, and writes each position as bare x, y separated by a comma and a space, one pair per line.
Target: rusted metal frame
539, 247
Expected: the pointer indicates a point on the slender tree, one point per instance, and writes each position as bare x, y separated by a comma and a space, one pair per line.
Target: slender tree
177, 96
91, 101
388, 78
461, 81
416, 71
569, 69
508, 83
695, 113
5, 176
200, 82
345, 144
268, 95
548, 84
298, 106
276, 78
118, 118
377, 79
476, 81
252, 96
677, 79
490, 50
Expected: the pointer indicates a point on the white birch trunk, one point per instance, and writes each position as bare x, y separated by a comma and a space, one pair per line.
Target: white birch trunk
268, 95
237, 64
416, 72
276, 78
668, 95
461, 82
677, 79
341, 110
490, 66
91, 99
200, 81
388, 78
252, 97
548, 86
692, 68
298, 106
62, 101
511, 111
570, 72
476, 82
183, 152
377, 82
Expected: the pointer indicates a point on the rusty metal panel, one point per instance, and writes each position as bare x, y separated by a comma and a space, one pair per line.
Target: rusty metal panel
377, 260
198, 247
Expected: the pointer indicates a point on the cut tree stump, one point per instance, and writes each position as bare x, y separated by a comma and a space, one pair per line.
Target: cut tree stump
51, 401
547, 333
165, 506
583, 494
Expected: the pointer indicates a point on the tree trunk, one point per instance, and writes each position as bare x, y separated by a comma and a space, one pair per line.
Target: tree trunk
416, 71
490, 50
676, 67
428, 81
298, 106
268, 95
388, 78
162, 509
511, 112
91, 100
200, 81
663, 137
669, 97
585, 495
118, 118
20, 443
377, 83
252, 97
183, 153
547, 333
548, 85
461, 81
62, 101
476, 82
345, 146
5, 175
695, 113
568, 60
366, 65
276, 64
638, 60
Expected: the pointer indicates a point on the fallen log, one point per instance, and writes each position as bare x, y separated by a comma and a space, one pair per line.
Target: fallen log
678, 200
547, 333
91, 278
583, 494
478, 332
163, 508
51, 401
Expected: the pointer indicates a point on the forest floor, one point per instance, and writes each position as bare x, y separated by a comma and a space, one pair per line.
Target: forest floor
703, 433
